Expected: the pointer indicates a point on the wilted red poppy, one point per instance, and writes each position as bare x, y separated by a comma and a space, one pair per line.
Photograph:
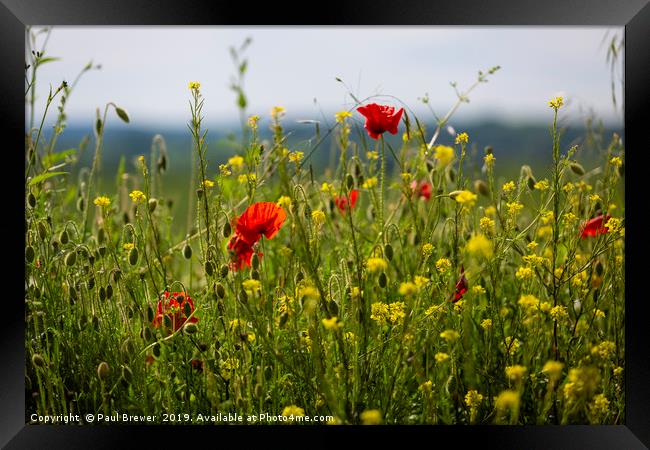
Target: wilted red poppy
380, 118
177, 307
595, 226
241, 252
461, 286
424, 189
344, 203
260, 219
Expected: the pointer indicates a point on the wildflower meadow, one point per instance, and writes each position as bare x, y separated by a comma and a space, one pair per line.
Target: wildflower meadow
400, 285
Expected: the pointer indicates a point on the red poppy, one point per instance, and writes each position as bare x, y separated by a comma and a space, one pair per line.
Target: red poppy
260, 219
343, 202
175, 306
197, 365
461, 286
424, 189
380, 118
241, 252
595, 226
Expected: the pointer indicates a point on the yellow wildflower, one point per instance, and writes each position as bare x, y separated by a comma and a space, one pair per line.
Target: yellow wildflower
462, 138
443, 264
516, 373
318, 218
372, 155
371, 417
296, 156
449, 335
236, 162
427, 250
102, 201
542, 185
376, 265
480, 245
194, 85
128, 246
556, 103
408, 288
486, 324
342, 115
331, 324
444, 154
292, 411
508, 187
441, 357
369, 183
284, 201
466, 198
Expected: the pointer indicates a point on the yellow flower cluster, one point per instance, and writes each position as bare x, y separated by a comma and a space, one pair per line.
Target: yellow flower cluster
479, 245
342, 115
387, 313
296, 157
443, 264
450, 335
487, 225
516, 373
376, 265
102, 201
462, 138
408, 289
318, 218
467, 198
508, 187
556, 103
559, 312
514, 208
194, 85
524, 273
441, 357
371, 417
553, 369
542, 185
293, 411
284, 201
444, 155
332, 323
604, 350
369, 183
372, 155
581, 383
489, 160
427, 250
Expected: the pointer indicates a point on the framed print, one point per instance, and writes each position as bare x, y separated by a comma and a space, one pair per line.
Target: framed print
379, 221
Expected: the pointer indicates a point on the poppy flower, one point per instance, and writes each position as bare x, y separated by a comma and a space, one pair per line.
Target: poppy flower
241, 252
424, 189
177, 306
595, 226
260, 219
380, 118
461, 286
197, 364
344, 203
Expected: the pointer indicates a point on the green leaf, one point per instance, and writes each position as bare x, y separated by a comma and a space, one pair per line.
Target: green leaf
42, 61
50, 160
44, 176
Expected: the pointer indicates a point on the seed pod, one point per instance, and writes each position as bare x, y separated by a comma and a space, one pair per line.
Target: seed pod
70, 259
31, 200
91, 282
42, 230
98, 126
38, 360
30, 254
531, 181
190, 328
209, 268
452, 175
133, 256
102, 251
80, 204
255, 275
388, 252
127, 347
360, 180
153, 203
283, 319
482, 188
187, 309
125, 218
187, 251
227, 229
577, 168
221, 291
349, 181
599, 269
102, 293
156, 350
63, 237
224, 270
357, 170
103, 370
127, 374
148, 335
149, 313
55, 246
91, 259
383, 280
255, 261
117, 274
109, 291
333, 308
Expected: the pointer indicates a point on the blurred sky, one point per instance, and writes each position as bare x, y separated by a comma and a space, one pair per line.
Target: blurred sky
146, 70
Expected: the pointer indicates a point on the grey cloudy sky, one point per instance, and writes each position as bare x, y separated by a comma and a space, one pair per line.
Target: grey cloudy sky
146, 69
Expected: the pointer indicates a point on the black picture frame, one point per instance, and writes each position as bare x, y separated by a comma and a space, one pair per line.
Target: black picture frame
634, 15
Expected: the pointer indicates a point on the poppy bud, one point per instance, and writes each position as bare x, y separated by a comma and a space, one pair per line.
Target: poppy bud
117, 274
162, 163
221, 291
63, 237
388, 252
109, 291
190, 328
452, 175
148, 335
156, 349
599, 269
199, 193
333, 308
80, 204
98, 126
531, 181
525, 171
187, 251
91, 259
227, 229
101, 236
357, 170
125, 218
30, 254
577, 168
224, 270
31, 200
255, 262
91, 282
133, 256
102, 293
349, 181
360, 180
454, 194
153, 203
383, 280
127, 374
42, 230
149, 313
167, 321
70, 259
482, 188
103, 370
255, 274
127, 347
102, 251
38, 360
209, 268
